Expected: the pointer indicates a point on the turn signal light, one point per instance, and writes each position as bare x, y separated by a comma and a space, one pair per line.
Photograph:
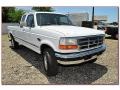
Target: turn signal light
67, 47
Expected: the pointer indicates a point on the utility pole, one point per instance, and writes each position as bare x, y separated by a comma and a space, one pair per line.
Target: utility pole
68, 14
93, 17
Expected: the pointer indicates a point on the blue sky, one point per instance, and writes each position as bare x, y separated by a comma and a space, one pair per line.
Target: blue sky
111, 12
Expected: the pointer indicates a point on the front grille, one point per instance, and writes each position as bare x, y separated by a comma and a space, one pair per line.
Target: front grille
90, 41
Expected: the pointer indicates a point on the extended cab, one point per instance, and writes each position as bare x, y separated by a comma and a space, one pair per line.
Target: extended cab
54, 37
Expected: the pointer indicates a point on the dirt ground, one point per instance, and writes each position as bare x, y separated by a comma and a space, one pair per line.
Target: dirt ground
24, 66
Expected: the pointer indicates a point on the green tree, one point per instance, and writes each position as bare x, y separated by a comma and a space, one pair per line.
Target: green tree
11, 14
48, 9
5, 11
16, 15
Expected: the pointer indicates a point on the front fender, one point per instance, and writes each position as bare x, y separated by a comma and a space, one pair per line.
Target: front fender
50, 44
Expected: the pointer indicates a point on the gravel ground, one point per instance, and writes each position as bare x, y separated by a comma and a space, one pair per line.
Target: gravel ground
24, 66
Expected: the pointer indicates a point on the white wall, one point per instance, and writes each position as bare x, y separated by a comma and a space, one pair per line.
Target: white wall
4, 27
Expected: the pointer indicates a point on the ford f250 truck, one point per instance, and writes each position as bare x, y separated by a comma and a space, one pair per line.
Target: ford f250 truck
58, 41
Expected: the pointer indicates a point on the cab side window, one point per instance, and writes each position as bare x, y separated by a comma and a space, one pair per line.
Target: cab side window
30, 21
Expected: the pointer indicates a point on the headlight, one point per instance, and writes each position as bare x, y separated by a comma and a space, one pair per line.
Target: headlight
68, 43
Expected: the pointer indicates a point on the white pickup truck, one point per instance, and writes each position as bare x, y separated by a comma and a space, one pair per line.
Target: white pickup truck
54, 37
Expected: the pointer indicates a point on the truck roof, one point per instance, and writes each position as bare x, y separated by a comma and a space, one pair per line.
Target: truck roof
43, 12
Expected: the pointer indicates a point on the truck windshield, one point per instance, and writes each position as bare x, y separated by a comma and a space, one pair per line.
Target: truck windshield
52, 19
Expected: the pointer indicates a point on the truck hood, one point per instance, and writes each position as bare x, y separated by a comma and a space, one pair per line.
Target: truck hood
72, 31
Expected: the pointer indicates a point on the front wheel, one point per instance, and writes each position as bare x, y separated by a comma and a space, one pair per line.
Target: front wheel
50, 62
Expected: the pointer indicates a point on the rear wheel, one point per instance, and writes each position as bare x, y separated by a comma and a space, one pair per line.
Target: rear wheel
50, 62
116, 36
14, 44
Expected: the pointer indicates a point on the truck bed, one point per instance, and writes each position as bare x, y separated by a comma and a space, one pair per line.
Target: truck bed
13, 27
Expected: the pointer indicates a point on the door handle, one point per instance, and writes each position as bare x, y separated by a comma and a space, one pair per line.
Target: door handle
38, 39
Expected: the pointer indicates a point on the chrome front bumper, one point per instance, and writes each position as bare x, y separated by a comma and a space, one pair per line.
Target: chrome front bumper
90, 52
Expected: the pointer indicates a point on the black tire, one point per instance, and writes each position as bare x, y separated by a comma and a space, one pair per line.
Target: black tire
116, 36
14, 44
50, 62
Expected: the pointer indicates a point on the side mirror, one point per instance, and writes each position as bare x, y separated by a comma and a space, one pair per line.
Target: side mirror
22, 24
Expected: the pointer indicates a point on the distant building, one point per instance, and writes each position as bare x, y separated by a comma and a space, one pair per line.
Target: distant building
82, 19
100, 22
77, 18
98, 19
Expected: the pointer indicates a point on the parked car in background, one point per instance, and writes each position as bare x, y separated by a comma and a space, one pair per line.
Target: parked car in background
112, 29
101, 26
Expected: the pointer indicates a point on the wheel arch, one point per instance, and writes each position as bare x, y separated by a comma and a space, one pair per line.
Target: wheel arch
11, 34
43, 46
47, 44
